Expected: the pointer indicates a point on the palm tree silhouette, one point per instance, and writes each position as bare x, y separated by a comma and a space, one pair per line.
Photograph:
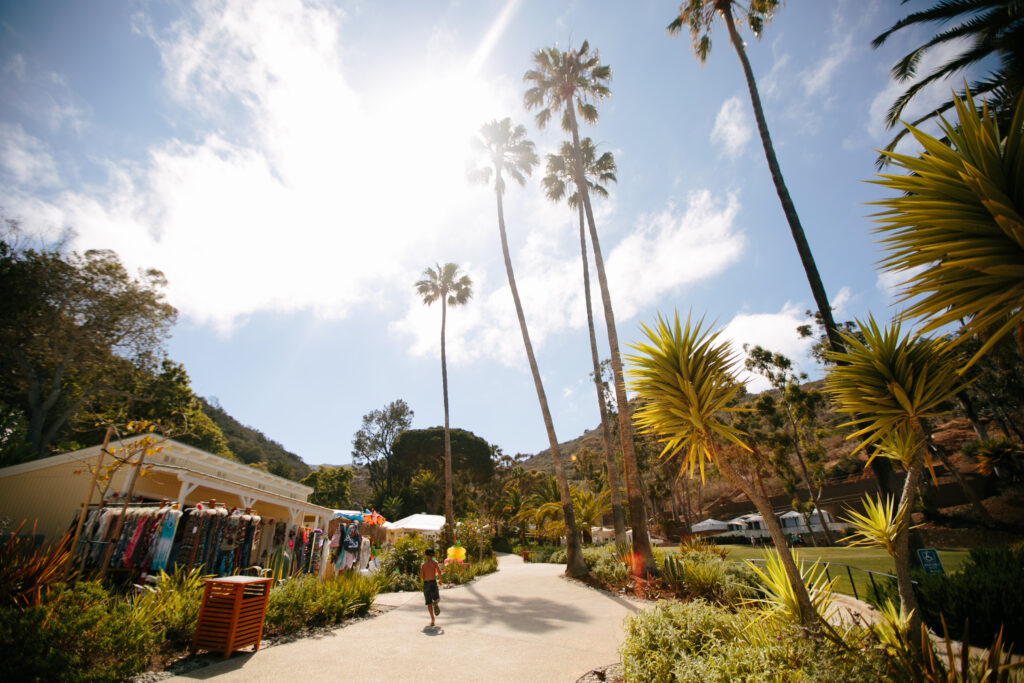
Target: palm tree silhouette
597, 170
507, 151
445, 284
571, 81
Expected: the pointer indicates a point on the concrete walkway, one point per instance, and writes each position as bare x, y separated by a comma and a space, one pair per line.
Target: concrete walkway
522, 623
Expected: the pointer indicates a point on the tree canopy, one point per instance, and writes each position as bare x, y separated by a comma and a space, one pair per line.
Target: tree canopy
373, 444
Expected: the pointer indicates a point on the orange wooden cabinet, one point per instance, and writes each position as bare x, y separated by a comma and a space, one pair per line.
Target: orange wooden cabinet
231, 616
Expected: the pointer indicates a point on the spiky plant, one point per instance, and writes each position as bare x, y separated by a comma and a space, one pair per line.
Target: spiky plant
879, 525
782, 595
686, 380
890, 384
957, 226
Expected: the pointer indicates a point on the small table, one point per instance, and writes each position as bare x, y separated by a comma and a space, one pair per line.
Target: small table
232, 614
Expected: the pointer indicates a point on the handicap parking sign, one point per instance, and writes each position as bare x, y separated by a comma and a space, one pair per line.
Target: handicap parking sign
930, 562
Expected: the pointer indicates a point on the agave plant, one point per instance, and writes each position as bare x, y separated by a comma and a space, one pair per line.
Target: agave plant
957, 225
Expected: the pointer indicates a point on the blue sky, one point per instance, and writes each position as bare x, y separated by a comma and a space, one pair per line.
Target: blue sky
293, 167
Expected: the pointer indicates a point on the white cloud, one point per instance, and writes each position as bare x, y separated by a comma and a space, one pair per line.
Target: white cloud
817, 79
732, 127
892, 281
773, 331
40, 94
298, 191
25, 159
841, 299
663, 253
670, 249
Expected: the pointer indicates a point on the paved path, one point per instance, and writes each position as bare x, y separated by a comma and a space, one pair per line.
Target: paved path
522, 623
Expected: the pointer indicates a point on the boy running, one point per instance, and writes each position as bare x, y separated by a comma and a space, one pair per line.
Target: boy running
429, 571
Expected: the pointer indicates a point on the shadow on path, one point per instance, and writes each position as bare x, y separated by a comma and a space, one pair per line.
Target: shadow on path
516, 612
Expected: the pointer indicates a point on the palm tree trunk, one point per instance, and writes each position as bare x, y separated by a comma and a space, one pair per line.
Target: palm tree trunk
803, 249
575, 566
880, 466
618, 518
637, 513
449, 508
808, 615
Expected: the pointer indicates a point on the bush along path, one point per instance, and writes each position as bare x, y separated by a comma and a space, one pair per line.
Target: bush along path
523, 623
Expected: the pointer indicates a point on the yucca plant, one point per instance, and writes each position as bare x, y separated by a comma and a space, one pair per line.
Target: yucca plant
878, 527
686, 380
891, 383
957, 226
781, 594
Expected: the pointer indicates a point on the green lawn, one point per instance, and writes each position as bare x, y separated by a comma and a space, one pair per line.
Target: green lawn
864, 558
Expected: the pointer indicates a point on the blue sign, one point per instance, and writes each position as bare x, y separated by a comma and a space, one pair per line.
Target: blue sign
930, 562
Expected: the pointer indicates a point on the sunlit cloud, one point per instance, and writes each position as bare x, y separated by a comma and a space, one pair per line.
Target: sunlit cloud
732, 127
773, 331
25, 159
297, 191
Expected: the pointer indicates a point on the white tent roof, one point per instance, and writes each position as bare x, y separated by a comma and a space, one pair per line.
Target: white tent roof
419, 522
709, 525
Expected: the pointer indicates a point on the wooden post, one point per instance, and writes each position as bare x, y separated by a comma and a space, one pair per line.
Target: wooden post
87, 503
124, 509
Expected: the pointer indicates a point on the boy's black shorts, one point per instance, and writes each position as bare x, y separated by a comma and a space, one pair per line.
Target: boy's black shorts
430, 593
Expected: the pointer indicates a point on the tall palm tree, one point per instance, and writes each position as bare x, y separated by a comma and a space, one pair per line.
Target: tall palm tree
892, 384
985, 28
507, 151
570, 82
699, 16
688, 386
447, 285
597, 170
957, 222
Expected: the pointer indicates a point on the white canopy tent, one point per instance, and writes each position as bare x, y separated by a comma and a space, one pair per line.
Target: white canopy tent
426, 525
709, 525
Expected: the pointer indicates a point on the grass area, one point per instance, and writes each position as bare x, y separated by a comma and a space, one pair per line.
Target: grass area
864, 558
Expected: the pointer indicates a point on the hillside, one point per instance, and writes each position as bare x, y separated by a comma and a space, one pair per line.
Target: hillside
251, 446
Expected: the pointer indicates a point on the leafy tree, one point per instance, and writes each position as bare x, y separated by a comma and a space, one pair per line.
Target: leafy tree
332, 486
373, 444
73, 328
418, 450
699, 17
792, 423
688, 388
957, 224
597, 170
572, 81
168, 398
427, 485
445, 284
987, 29
505, 150
891, 384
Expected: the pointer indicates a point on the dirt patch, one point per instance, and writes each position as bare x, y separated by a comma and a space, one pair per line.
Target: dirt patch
611, 673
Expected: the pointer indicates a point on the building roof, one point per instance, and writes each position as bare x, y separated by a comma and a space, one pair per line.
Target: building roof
174, 455
419, 522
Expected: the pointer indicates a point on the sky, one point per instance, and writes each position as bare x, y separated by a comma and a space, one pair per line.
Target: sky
293, 167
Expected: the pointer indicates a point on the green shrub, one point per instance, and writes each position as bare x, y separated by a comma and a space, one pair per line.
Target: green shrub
459, 574
705, 574
173, 605
475, 537
557, 556
985, 592
80, 633
406, 556
399, 583
306, 601
697, 641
